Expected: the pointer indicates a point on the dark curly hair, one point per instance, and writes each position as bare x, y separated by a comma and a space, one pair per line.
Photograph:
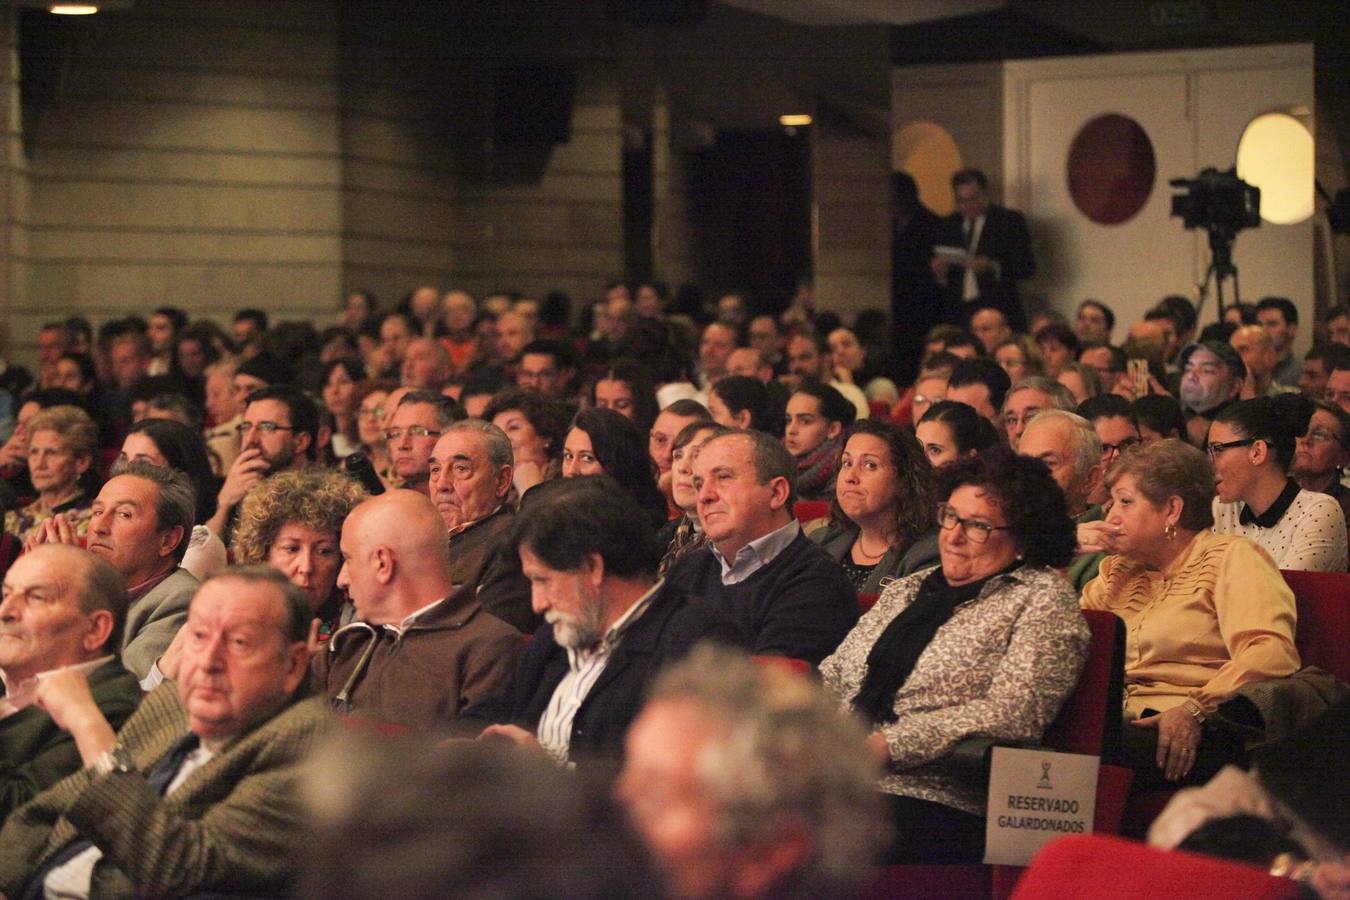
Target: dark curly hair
1032, 502
549, 418
622, 450
915, 489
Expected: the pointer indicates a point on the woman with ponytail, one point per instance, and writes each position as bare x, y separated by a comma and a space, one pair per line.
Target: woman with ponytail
1252, 446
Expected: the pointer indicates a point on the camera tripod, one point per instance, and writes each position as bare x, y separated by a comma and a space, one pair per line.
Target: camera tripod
1220, 268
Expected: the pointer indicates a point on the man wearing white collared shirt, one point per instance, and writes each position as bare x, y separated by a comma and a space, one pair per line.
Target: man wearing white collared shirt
611, 624
62, 609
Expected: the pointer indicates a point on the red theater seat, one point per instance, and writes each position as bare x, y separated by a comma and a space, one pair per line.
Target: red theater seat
799, 666
1323, 634
1088, 723
1094, 867
806, 510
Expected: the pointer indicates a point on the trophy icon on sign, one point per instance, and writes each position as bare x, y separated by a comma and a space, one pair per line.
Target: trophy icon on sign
1044, 784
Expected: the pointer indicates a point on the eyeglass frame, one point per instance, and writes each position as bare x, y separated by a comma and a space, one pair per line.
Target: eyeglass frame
1117, 449
265, 427
1213, 449
984, 529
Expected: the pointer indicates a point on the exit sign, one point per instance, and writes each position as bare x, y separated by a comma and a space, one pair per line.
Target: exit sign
1181, 13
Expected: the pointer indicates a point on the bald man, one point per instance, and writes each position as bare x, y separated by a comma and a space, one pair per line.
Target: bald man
1258, 352
419, 653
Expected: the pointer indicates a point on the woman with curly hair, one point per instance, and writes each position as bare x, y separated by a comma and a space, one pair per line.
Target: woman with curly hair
987, 645
881, 520
536, 427
293, 523
602, 441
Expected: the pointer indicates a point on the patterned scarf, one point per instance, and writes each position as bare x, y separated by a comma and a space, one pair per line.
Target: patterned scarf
687, 539
816, 469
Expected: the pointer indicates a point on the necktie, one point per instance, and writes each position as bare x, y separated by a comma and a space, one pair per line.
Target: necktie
162, 772
970, 287
159, 777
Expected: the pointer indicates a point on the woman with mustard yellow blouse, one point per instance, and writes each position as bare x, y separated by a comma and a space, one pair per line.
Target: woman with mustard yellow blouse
1204, 612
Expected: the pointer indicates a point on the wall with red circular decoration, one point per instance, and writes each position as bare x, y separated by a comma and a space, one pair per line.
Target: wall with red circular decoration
1111, 169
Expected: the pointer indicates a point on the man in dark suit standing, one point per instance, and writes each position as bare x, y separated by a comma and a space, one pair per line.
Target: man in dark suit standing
916, 300
999, 249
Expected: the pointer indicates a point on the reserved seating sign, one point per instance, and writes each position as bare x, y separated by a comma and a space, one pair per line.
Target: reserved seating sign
1036, 796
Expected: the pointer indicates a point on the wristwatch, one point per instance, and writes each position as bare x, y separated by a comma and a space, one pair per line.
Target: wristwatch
114, 759
1196, 712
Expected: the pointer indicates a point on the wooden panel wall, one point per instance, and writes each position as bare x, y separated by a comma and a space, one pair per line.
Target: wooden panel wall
190, 157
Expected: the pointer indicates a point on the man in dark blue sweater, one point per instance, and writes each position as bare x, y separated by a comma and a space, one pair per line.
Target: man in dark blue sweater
787, 596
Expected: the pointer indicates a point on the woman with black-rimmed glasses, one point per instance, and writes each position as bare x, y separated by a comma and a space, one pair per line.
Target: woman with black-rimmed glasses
988, 644
1251, 445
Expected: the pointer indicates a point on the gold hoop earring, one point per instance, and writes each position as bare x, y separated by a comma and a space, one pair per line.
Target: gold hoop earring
1170, 531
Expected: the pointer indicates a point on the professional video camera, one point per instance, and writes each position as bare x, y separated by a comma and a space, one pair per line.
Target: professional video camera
1217, 200
1222, 204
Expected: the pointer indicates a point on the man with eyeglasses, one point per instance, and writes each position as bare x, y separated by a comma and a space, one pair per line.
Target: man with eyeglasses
414, 426
279, 431
1028, 397
546, 366
1321, 455
1117, 427
1212, 375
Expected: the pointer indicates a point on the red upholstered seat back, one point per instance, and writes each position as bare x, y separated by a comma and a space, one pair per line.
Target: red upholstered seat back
806, 510
1094, 867
1089, 721
1323, 633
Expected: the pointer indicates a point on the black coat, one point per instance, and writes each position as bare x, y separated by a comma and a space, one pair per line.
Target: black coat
1005, 240
669, 629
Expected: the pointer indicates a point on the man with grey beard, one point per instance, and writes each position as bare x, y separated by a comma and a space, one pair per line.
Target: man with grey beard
611, 625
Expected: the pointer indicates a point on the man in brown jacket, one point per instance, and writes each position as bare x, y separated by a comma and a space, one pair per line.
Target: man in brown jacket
420, 651
198, 793
471, 468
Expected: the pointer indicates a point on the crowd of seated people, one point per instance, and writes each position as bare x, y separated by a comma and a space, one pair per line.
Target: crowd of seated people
512, 543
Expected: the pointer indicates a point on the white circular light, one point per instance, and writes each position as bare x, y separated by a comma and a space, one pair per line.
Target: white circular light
1275, 154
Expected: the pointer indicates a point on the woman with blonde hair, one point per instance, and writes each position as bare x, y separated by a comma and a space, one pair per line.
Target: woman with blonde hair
1204, 613
62, 443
